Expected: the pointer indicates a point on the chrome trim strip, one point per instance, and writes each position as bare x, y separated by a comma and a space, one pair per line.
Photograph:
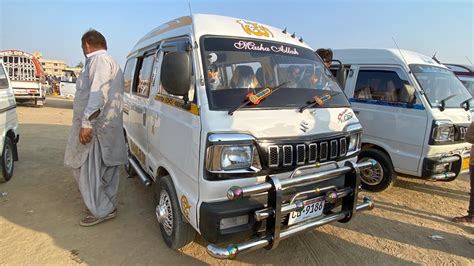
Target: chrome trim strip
229, 137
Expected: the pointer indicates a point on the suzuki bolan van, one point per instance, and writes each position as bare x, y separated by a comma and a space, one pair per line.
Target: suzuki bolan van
8, 126
247, 136
414, 111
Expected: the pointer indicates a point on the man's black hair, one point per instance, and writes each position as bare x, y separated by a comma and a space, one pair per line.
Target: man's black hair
325, 54
94, 39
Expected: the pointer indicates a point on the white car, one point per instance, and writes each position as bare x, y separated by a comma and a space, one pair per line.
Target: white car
414, 112
8, 126
244, 131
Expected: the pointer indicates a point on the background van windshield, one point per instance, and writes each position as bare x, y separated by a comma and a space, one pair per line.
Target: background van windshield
236, 67
440, 83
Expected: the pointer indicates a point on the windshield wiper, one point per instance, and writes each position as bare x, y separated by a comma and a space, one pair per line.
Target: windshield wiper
256, 98
442, 105
318, 100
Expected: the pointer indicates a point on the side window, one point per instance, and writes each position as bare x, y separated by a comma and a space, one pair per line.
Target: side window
128, 74
3, 79
380, 85
142, 84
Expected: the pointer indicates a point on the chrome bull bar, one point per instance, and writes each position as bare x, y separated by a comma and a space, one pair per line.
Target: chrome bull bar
276, 209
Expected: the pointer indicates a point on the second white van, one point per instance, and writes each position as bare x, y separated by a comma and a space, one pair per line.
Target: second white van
414, 113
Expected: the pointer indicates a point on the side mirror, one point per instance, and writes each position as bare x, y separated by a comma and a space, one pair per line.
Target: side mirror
176, 71
407, 94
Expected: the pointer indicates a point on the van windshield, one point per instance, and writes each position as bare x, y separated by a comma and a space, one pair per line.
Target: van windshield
440, 83
236, 67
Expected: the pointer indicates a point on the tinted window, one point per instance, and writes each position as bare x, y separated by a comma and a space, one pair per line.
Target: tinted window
142, 86
380, 85
128, 74
3, 79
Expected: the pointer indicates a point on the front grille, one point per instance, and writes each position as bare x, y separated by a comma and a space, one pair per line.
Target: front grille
460, 133
296, 154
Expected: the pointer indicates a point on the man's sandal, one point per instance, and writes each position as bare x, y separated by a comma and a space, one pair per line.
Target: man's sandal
464, 219
91, 220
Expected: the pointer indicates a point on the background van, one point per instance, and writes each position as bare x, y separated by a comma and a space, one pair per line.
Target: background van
414, 113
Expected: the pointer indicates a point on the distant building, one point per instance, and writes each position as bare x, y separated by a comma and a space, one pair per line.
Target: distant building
51, 66
76, 70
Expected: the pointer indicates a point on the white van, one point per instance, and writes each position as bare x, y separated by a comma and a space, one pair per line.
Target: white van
248, 136
414, 112
8, 126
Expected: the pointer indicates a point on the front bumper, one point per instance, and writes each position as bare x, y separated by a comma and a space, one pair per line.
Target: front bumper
269, 203
445, 167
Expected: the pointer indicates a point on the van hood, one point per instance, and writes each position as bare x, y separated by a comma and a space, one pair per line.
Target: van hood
280, 123
455, 115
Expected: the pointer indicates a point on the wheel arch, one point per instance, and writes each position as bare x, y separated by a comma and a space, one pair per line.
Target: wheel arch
367, 146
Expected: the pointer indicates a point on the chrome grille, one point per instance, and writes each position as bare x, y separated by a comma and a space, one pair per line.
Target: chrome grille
306, 153
287, 155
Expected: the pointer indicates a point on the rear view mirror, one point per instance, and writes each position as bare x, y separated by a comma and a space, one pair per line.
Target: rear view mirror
407, 94
176, 71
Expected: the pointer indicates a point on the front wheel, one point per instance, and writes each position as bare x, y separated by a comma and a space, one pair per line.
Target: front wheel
176, 232
382, 175
7, 160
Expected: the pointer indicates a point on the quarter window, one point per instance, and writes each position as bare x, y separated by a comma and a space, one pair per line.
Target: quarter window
128, 74
380, 85
142, 86
3, 79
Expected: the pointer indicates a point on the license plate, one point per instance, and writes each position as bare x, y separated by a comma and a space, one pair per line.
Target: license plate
465, 163
312, 208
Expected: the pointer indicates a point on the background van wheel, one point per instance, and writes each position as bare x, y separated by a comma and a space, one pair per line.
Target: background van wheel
176, 232
7, 160
379, 177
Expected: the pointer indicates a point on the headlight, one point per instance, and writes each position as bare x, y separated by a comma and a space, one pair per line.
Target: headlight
354, 142
232, 158
355, 138
443, 131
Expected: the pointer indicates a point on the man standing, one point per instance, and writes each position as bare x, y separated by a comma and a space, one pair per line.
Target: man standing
469, 218
96, 145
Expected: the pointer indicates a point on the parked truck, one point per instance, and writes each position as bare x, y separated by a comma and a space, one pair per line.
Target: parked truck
245, 135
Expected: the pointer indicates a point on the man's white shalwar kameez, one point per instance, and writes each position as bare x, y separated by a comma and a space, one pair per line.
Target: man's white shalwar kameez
96, 164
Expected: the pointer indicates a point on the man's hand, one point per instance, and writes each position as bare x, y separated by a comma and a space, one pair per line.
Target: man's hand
85, 135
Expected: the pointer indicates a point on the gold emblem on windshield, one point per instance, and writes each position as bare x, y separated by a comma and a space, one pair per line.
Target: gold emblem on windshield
253, 28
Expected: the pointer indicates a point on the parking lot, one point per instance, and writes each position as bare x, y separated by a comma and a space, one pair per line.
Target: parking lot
39, 215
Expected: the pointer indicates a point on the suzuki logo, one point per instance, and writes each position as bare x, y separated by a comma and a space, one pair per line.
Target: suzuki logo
304, 126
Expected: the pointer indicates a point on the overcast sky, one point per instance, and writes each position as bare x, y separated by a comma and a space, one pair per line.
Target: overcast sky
55, 27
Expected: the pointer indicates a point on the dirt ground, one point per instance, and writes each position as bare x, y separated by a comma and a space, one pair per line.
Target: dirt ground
39, 217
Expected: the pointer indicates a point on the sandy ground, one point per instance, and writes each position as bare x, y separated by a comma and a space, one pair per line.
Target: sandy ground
39, 218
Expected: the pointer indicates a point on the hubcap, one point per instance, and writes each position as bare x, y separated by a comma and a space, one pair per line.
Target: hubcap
164, 212
372, 176
8, 159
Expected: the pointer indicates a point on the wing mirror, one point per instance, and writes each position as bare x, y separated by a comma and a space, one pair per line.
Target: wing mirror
176, 72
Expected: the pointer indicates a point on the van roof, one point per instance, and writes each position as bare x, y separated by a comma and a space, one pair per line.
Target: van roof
382, 56
204, 24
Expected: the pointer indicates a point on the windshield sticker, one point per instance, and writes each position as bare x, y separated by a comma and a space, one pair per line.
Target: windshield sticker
251, 46
253, 28
344, 116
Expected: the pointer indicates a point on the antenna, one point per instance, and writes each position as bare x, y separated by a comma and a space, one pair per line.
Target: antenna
469, 60
436, 59
400, 51
190, 10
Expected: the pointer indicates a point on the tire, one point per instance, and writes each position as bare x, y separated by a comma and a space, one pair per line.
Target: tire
7, 161
382, 175
176, 232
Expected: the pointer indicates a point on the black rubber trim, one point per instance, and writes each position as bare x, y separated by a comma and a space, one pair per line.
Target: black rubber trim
6, 109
